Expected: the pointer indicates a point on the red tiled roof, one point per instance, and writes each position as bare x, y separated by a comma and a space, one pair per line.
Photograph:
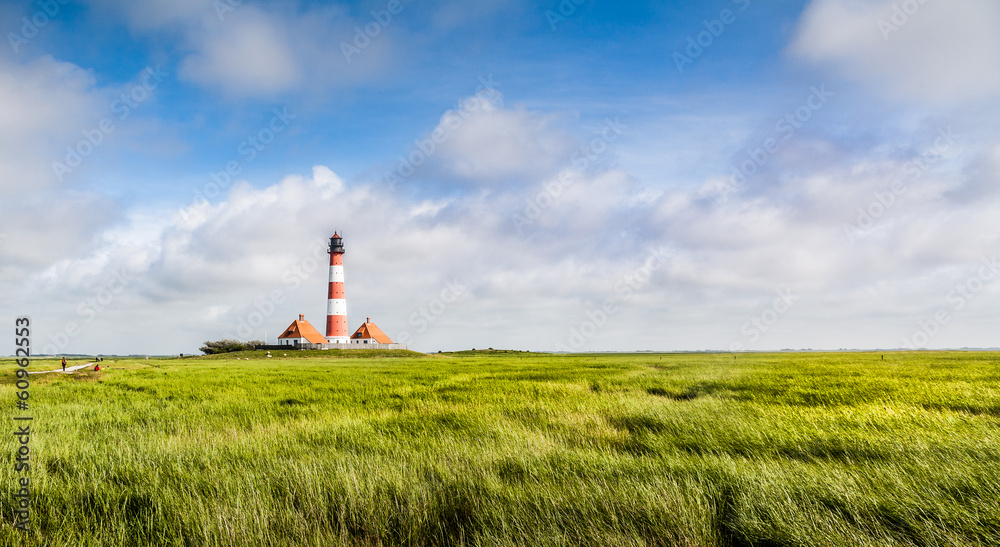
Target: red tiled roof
371, 330
302, 329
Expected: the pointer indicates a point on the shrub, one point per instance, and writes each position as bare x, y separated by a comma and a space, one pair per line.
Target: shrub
228, 346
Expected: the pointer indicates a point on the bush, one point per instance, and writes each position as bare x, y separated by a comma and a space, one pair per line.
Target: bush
228, 346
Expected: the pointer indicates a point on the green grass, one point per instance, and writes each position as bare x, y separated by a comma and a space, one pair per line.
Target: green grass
494, 448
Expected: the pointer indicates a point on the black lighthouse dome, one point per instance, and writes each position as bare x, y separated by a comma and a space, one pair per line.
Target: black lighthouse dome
336, 244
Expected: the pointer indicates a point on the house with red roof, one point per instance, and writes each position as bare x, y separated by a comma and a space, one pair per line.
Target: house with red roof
301, 332
369, 333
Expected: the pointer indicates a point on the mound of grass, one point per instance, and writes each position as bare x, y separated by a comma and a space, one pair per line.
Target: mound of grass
316, 354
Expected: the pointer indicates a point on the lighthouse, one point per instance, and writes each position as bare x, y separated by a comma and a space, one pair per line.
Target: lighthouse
336, 303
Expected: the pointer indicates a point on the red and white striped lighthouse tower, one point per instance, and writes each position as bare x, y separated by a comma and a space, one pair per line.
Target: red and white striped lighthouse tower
336, 303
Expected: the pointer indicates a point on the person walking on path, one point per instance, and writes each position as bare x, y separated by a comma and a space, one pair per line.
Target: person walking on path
64, 364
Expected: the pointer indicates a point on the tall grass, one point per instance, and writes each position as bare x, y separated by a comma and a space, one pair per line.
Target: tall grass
514, 449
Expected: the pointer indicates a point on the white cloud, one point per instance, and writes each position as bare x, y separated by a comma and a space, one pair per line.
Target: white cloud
264, 50
49, 227
44, 104
926, 50
505, 145
248, 54
483, 144
51, 221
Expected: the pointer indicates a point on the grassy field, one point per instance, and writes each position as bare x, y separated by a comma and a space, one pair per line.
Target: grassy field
514, 449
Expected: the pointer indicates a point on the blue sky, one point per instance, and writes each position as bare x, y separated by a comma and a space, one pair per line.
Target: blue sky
592, 175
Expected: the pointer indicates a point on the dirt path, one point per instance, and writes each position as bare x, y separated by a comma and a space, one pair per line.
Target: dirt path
68, 369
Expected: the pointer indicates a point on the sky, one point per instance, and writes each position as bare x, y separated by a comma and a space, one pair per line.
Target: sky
560, 175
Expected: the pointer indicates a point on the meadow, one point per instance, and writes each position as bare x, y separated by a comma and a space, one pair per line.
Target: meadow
508, 448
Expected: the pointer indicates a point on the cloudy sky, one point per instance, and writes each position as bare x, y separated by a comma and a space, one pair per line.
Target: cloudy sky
552, 175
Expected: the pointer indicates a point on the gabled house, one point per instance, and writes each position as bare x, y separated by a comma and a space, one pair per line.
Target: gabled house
369, 333
301, 332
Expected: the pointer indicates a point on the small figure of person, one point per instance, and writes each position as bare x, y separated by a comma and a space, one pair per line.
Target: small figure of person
64, 364
97, 367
